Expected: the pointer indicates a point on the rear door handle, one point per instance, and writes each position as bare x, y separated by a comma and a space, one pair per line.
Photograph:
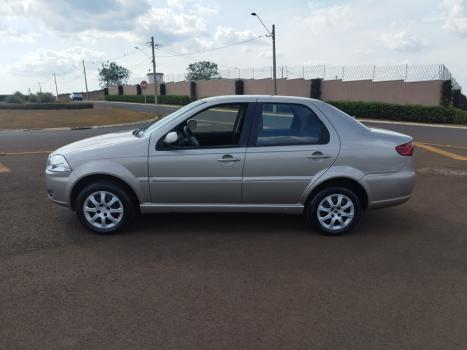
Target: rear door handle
319, 155
228, 158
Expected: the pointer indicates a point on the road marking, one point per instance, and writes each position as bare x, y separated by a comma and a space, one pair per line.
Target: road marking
23, 153
440, 145
440, 151
4, 169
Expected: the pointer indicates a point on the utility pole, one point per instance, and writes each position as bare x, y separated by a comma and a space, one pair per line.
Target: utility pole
85, 80
154, 68
272, 35
56, 89
40, 87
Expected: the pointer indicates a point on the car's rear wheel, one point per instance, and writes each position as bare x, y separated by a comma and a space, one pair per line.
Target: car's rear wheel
334, 210
104, 207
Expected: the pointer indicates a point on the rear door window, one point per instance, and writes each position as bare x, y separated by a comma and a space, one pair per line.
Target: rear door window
289, 124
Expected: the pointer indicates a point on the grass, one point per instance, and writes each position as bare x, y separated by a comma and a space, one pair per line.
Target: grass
32, 119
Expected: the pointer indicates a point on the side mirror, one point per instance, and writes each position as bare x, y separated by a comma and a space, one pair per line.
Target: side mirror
171, 137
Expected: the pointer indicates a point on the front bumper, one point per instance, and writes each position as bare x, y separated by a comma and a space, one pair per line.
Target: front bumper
57, 187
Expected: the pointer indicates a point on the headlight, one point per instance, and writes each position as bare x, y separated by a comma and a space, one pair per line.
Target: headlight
57, 163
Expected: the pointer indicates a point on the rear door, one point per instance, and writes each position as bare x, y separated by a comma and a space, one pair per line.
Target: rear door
289, 145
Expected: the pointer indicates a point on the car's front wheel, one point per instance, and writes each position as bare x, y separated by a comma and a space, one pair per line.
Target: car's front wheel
334, 211
104, 207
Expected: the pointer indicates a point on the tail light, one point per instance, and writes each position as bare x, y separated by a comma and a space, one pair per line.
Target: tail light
406, 149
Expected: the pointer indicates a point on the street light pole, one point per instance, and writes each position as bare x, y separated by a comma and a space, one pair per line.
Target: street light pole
272, 35
56, 89
85, 80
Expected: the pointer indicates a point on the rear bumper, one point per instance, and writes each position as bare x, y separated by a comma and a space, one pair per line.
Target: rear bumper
386, 190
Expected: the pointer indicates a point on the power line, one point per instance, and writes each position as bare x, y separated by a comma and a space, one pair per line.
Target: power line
216, 48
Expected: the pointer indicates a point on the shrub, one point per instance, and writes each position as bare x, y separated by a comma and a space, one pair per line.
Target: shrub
412, 113
44, 97
17, 98
446, 93
166, 99
174, 100
460, 116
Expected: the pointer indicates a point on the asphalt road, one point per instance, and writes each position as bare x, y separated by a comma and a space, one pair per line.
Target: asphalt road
203, 281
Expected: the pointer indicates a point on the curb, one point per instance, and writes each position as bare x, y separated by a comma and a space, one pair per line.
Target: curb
141, 104
447, 126
83, 127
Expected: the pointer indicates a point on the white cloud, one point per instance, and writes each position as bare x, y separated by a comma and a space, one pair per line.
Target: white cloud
402, 40
43, 62
324, 17
225, 35
455, 16
13, 35
77, 16
14, 8
104, 15
169, 21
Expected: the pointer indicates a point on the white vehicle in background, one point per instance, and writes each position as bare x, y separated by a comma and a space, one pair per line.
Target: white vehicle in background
76, 96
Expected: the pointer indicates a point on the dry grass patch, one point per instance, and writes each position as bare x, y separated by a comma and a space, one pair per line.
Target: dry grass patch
11, 119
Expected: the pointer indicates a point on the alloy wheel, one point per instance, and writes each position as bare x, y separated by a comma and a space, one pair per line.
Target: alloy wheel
103, 210
335, 212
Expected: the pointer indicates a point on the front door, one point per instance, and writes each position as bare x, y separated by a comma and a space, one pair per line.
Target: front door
288, 147
205, 165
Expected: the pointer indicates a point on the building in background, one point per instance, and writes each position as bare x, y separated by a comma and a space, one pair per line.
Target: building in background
159, 78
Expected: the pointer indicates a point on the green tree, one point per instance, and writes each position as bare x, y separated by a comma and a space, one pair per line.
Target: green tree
112, 74
202, 70
17, 97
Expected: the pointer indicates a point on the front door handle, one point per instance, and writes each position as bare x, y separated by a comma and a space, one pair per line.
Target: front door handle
319, 155
228, 158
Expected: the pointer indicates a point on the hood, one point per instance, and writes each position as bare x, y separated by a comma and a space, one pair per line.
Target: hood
97, 142
115, 145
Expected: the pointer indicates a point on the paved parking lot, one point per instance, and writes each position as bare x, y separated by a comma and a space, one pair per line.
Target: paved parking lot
234, 281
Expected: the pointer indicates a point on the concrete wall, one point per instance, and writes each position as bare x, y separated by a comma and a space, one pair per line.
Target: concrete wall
397, 91
181, 88
129, 90
113, 90
96, 95
207, 88
150, 90
258, 87
294, 87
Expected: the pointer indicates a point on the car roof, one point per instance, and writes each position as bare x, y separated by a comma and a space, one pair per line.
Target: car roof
254, 98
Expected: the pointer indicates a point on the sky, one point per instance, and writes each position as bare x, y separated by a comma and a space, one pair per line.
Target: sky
42, 37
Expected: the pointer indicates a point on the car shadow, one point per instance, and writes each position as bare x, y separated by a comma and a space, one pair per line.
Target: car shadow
215, 223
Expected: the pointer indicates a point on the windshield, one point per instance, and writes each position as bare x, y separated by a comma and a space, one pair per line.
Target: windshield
171, 116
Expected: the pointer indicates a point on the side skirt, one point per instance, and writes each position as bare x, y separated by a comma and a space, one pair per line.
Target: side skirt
147, 208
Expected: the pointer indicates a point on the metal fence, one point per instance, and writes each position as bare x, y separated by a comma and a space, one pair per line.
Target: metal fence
407, 73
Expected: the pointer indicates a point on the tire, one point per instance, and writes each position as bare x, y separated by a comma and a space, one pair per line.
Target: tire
336, 219
108, 216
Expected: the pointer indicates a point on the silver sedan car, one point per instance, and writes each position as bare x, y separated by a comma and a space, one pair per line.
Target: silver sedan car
271, 154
